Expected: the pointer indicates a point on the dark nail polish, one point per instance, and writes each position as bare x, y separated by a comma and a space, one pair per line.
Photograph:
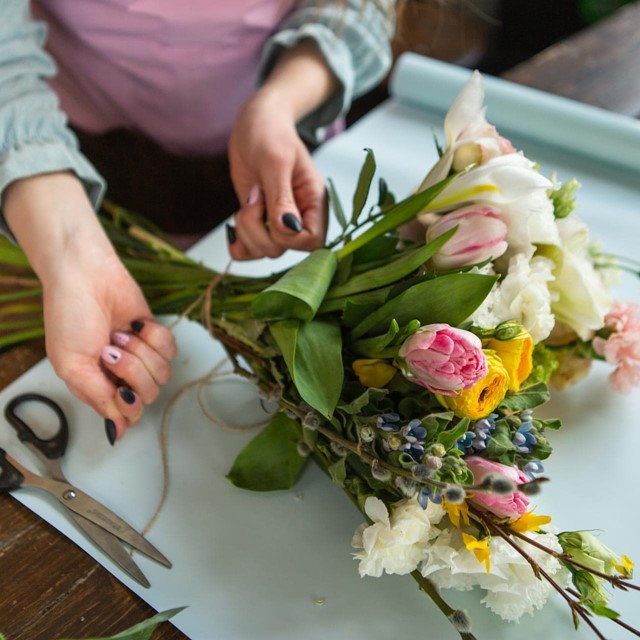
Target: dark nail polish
137, 326
110, 429
231, 233
292, 222
127, 395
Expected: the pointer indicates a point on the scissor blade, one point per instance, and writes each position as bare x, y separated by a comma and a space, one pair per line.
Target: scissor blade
112, 547
79, 502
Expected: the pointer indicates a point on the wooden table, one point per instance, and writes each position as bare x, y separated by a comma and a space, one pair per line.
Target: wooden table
49, 587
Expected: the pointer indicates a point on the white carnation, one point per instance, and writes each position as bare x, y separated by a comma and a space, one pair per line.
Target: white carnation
522, 295
395, 543
512, 587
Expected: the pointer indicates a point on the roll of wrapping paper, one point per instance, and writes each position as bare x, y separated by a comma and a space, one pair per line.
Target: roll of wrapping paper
524, 112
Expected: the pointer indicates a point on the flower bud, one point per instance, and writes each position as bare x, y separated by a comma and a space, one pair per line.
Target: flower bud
373, 372
443, 359
481, 235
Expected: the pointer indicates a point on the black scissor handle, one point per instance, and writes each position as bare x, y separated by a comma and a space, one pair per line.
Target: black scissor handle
52, 448
10, 477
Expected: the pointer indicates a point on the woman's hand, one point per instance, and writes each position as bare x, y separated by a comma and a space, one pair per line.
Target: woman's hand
283, 195
100, 334
274, 176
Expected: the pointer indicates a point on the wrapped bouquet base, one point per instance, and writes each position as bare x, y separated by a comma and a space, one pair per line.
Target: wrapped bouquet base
408, 358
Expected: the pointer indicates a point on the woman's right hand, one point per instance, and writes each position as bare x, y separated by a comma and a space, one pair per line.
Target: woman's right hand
100, 335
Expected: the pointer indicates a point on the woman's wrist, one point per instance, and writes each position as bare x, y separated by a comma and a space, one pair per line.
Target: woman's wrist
301, 81
53, 220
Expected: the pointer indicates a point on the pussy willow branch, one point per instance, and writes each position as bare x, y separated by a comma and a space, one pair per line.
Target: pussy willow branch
619, 622
576, 607
616, 581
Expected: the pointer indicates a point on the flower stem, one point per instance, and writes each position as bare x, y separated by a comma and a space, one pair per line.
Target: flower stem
430, 589
576, 608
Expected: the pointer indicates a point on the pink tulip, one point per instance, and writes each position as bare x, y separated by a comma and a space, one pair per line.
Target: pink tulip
443, 359
504, 506
481, 235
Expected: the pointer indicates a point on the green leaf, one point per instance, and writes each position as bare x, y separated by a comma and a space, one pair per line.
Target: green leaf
601, 610
142, 630
551, 423
449, 437
526, 398
313, 354
336, 204
386, 199
356, 406
355, 308
375, 347
378, 249
500, 442
389, 273
396, 216
364, 185
300, 291
449, 299
338, 471
271, 460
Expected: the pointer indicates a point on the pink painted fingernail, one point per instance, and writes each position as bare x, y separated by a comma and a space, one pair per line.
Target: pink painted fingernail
120, 338
111, 355
254, 194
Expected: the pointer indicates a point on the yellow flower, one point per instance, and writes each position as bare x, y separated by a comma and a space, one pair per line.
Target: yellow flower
455, 511
529, 521
625, 567
484, 396
480, 549
517, 357
373, 372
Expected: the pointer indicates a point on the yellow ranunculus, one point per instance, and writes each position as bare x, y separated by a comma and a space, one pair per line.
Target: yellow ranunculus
517, 357
373, 372
484, 396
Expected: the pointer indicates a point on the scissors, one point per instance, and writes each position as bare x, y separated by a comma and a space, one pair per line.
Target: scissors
102, 526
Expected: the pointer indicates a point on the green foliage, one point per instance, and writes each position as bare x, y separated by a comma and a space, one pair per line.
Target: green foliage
527, 398
363, 185
300, 291
450, 299
142, 630
313, 354
271, 460
402, 266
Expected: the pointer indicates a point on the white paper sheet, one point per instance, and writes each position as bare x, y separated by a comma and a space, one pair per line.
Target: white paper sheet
278, 565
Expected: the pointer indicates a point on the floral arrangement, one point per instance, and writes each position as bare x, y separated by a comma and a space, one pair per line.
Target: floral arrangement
407, 358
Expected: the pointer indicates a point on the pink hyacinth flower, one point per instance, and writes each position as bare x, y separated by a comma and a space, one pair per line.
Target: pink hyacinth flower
443, 359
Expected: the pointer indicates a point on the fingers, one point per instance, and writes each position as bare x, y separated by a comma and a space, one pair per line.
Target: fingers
128, 375
141, 360
290, 213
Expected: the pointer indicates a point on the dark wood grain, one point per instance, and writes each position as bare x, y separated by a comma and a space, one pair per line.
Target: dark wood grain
49, 588
599, 66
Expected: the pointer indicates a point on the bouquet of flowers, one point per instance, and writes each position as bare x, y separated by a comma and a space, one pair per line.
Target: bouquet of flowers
407, 358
